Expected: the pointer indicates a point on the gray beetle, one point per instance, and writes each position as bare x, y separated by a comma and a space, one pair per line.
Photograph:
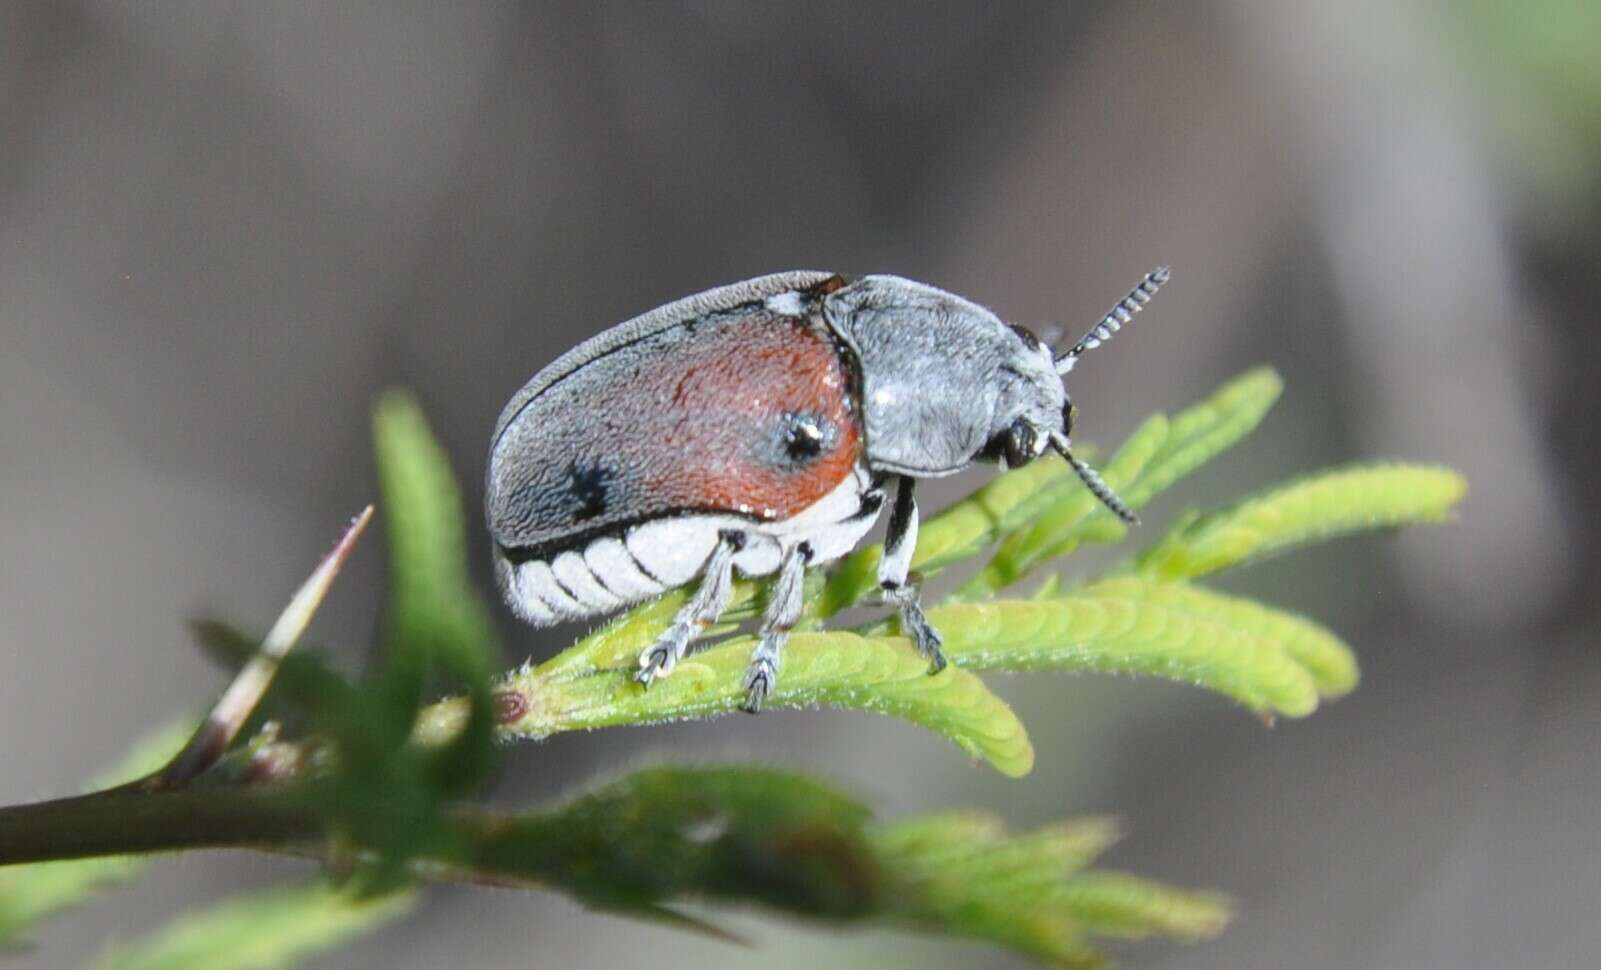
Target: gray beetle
757, 427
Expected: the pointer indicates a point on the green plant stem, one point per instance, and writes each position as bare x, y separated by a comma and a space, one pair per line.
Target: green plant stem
127, 820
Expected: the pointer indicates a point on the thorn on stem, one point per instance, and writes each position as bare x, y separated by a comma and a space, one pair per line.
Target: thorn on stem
249, 686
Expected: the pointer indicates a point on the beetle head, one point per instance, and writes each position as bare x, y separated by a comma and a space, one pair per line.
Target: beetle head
1027, 429
1032, 403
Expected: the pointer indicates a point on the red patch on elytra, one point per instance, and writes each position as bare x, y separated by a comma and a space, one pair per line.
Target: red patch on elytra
740, 386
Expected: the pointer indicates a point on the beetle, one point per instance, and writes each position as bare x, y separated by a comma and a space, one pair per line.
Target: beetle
759, 426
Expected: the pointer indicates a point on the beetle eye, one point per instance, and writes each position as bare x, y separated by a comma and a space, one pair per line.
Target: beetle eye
1021, 444
1027, 336
1069, 412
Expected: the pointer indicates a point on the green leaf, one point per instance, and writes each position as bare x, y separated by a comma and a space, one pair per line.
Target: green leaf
1202, 432
1158, 454
31, 893
879, 674
263, 931
1121, 905
1321, 507
967, 877
972, 851
743, 834
661, 835
435, 621
1270, 661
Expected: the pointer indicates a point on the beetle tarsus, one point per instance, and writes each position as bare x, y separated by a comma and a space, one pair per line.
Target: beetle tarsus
759, 680
784, 605
915, 625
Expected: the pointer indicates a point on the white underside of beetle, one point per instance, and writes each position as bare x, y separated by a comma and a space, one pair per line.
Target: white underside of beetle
653, 557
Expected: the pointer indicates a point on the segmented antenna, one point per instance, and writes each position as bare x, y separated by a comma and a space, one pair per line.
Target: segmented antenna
1094, 482
1120, 314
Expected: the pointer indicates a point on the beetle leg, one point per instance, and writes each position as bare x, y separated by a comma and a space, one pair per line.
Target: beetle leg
700, 612
784, 605
894, 575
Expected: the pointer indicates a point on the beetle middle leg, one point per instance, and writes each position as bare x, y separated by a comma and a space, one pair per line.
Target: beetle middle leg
894, 575
700, 612
784, 605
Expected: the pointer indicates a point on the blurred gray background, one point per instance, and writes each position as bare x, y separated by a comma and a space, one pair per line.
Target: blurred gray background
225, 226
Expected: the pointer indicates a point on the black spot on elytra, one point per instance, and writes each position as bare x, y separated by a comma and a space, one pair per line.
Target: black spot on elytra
803, 441
589, 487
797, 440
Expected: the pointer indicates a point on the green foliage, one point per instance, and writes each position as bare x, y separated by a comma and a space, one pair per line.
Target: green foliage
835, 669
1538, 94
30, 894
1315, 509
963, 876
389, 796
1158, 454
436, 624
387, 781
1271, 662
1145, 619
746, 833
267, 930
666, 834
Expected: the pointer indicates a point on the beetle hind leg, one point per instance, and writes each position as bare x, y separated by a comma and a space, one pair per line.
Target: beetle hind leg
784, 605
896, 580
702, 610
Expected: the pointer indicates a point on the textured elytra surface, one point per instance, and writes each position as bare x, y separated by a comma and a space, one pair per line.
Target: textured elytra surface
741, 411
664, 317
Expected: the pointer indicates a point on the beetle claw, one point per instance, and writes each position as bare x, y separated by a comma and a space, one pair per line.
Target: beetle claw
928, 644
656, 661
759, 681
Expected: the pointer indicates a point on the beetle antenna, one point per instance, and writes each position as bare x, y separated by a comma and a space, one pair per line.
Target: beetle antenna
1120, 314
1093, 481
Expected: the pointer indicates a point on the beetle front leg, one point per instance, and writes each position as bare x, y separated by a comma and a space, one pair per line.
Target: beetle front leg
894, 575
784, 607
703, 609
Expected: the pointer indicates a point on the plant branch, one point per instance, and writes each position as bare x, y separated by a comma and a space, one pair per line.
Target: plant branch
647, 842
124, 820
